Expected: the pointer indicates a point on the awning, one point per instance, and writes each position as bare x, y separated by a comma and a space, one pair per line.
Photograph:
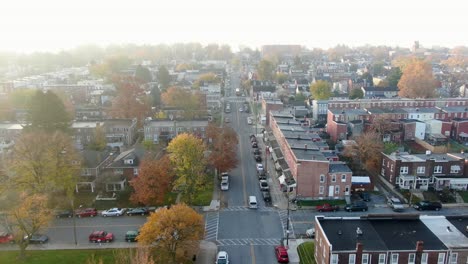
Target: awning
273, 155
282, 179
459, 181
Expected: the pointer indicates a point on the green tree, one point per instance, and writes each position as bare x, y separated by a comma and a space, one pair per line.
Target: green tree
394, 77
367, 77
99, 142
186, 153
47, 112
300, 97
417, 81
321, 90
356, 94
21, 98
390, 147
143, 74
378, 68
265, 70
281, 77
163, 77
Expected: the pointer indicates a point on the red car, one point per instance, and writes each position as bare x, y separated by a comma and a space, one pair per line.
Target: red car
87, 212
101, 236
327, 208
281, 254
6, 238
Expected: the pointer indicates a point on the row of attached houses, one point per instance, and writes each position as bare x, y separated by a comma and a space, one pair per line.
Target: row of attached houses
157, 130
391, 239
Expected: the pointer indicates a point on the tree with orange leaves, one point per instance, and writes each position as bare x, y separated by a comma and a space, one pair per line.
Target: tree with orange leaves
153, 181
131, 101
417, 81
223, 147
174, 233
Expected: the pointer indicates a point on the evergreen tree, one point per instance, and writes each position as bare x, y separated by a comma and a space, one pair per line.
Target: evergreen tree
47, 112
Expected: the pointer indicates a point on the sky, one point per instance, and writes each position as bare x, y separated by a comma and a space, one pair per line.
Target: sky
54, 25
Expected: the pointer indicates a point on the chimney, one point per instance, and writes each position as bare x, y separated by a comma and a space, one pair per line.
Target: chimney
305, 147
419, 251
359, 249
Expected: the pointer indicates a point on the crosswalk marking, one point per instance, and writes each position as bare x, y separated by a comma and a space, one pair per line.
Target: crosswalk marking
244, 208
283, 214
249, 241
211, 225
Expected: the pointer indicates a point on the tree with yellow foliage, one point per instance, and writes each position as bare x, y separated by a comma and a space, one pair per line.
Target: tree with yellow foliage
417, 81
174, 233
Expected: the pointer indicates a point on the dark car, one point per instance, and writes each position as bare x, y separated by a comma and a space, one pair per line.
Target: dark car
37, 239
257, 152
357, 206
281, 254
327, 208
64, 214
87, 212
131, 236
258, 158
261, 175
365, 196
137, 211
266, 196
254, 145
101, 236
427, 205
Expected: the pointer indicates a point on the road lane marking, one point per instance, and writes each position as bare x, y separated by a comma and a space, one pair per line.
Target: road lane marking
252, 253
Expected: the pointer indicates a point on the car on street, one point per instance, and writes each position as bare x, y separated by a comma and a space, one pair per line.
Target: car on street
227, 120
131, 236
395, 204
6, 238
261, 175
259, 166
64, 214
241, 109
87, 212
222, 258
263, 185
113, 212
257, 152
266, 196
258, 158
427, 205
101, 236
310, 233
254, 145
365, 196
37, 238
249, 120
137, 211
224, 185
327, 208
357, 206
281, 254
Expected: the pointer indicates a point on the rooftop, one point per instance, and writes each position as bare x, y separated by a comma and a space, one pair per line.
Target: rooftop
181, 123
338, 167
450, 235
421, 110
308, 155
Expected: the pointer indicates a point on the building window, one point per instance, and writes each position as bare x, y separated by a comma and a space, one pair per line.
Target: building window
404, 170
352, 259
334, 259
381, 258
118, 171
441, 258
337, 189
321, 189
438, 169
343, 178
334, 178
424, 258
365, 258
453, 258
391, 168
394, 258
322, 178
454, 169
421, 170
411, 258
135, 171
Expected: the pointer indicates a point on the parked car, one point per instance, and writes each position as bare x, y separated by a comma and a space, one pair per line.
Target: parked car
63, 213
259, 166
263, 185
131, 236
327, 208
258, 158
257, 151
101, 236
253, 139
357, 206
137, 211
310, 233
87, 212
37, 238
365, 196
261, 175
281, 254
222, 258
241, 109
266, 196
6, 238
227, 120
224, 185
427, 205
395, 204
113, 212
254, 145
249, 120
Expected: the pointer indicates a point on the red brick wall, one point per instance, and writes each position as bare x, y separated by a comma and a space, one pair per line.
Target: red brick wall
308, 180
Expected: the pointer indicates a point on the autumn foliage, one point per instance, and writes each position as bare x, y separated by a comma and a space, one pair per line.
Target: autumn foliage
417, 81
224, 143
131, 101
153, 181
367, 151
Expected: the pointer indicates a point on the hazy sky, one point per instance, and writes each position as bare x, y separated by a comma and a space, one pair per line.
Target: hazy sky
29, 25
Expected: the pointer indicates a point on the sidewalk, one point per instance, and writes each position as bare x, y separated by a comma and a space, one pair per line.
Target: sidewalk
207, 253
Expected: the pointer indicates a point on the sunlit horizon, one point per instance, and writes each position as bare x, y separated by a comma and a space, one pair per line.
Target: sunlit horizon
52, 25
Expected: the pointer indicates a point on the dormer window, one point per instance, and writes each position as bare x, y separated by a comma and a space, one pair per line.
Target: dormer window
128, 161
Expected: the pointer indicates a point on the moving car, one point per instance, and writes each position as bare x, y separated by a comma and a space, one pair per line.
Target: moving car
222, 258
281, 254
101, 236
64, 213
266, 196
131, 236
113, 212
327, 208
37, 238
427, 205
87, 212
6, 238
137, 211
263, 185
357, 206
395, 204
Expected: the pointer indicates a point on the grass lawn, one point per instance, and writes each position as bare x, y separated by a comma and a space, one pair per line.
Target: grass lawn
320, 202
464, 195
58, 256
306, 253
204, 196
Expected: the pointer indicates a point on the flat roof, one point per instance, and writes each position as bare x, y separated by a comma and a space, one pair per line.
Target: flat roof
302, 154
338, 111
338, 167
86, 124
450, 235
191, 123
423, 157
421, 110
460, 222
379, 110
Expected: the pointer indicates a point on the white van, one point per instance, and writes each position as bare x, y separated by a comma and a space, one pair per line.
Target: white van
252, 202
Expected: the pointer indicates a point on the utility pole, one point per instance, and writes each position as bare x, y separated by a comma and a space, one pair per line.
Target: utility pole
287, 224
